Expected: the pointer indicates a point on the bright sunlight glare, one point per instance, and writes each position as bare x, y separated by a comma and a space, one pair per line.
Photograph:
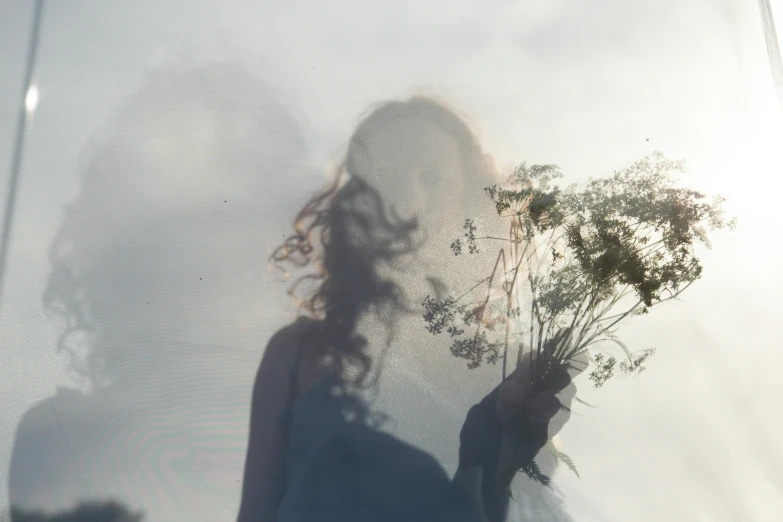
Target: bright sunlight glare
747, 163
31, 100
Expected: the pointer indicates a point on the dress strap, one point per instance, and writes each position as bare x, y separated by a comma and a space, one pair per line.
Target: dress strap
293, 381
293, 377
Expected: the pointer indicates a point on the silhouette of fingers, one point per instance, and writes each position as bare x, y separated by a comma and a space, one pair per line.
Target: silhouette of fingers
558, 379
567, 394
542, 407
511, 401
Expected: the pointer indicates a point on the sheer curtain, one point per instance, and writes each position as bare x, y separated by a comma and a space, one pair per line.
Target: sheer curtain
173, 143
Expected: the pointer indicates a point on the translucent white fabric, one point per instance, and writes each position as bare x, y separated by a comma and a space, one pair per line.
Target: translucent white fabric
174, 142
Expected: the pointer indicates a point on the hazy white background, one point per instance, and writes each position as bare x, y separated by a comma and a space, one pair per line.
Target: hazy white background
591, 86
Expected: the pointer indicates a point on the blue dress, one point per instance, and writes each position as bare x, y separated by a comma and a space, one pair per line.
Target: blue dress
339, 467
343, 469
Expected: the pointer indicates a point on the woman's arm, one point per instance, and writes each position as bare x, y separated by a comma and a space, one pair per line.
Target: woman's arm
511, 409
467, 488
480, 442
264, 478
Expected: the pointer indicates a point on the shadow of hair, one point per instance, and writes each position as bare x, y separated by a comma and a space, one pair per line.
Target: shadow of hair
348, 230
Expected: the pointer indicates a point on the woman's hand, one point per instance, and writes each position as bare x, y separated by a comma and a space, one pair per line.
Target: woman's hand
513, 407
528, 407
523, 399
520, 402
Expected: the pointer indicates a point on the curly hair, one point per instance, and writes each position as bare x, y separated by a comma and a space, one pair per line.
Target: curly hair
137, 193
348, 229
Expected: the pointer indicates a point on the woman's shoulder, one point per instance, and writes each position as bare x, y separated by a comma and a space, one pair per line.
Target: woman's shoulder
43, 414
39, 447
290, 339
298, 327
293, 351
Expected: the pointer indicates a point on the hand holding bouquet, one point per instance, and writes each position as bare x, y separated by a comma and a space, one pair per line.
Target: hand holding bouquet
571, 265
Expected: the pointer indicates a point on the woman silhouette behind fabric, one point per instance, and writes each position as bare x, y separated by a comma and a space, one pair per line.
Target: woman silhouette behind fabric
374, 240
153, 274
